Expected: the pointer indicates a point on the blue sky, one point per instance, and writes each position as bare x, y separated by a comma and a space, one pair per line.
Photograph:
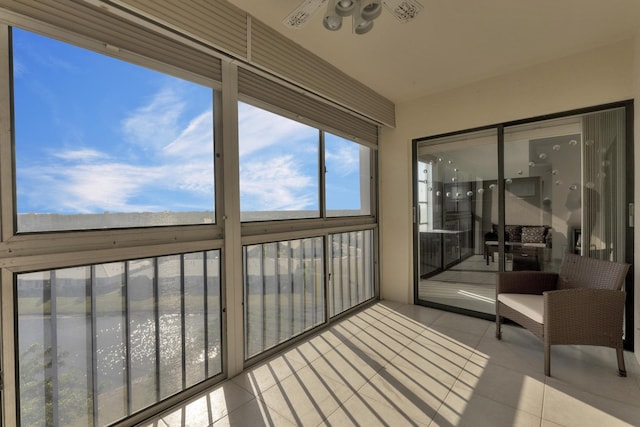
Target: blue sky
94, 134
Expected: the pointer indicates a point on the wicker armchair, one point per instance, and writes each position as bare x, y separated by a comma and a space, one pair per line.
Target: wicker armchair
582, 304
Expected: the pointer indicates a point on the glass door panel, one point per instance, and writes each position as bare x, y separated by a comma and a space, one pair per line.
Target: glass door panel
542, 168
564, 190
454, 181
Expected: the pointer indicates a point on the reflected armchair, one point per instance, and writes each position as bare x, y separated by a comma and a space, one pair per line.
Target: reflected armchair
583, 304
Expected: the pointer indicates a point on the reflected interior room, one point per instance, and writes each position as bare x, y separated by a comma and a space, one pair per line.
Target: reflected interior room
555, 174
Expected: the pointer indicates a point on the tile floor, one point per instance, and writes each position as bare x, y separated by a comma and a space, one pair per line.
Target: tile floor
395, 365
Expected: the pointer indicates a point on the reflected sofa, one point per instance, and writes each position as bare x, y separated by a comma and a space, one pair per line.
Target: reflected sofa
525, 244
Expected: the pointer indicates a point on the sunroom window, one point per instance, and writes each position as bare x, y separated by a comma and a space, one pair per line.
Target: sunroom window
278, 166
348, 177
102, 143
280, 169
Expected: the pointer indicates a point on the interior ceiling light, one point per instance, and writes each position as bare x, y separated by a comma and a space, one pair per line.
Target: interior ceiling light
363, 13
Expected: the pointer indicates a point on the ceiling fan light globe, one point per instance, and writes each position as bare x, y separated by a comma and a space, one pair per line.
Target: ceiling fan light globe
363, 27
332, 22
345, 7
371, 10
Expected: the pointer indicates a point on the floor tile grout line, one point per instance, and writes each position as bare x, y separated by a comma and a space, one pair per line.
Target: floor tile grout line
354, 394
357, 392
397, 351
308, 364
542, 407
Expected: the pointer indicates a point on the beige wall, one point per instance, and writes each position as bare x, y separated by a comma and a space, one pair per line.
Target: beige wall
602, 75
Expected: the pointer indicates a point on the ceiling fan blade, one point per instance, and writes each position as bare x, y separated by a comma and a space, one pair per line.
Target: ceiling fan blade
303, 13
404, 10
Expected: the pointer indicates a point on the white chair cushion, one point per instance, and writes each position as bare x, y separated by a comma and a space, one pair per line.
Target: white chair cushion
531, 306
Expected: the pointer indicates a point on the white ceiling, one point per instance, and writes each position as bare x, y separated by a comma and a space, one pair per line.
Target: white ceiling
456, 42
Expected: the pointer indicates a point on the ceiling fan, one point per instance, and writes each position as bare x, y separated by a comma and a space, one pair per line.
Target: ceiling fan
363, 12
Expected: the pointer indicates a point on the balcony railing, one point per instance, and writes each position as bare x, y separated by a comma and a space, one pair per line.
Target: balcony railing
97, 343
285, 293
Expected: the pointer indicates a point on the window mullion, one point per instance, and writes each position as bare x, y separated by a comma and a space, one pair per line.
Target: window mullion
127, 329
322, 175
93, 338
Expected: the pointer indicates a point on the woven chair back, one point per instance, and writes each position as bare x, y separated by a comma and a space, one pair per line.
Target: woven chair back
582, 272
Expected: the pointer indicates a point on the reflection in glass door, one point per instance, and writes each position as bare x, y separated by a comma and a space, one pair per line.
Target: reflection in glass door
456, 176
565, 190
564, 187
542, 171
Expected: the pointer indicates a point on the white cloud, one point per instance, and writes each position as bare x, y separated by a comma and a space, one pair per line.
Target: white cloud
195, 140
80, 155
89, 188
194, 177
276, 185
156, 124
19, 68
109, 186
344, 160
260, 129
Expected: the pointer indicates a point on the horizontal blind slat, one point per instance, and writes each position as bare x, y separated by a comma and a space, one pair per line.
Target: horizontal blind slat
330, 118
93, 22
217, 22
271, 50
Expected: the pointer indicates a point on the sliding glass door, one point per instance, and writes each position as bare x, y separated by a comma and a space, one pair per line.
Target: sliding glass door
519, 196
456, 177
